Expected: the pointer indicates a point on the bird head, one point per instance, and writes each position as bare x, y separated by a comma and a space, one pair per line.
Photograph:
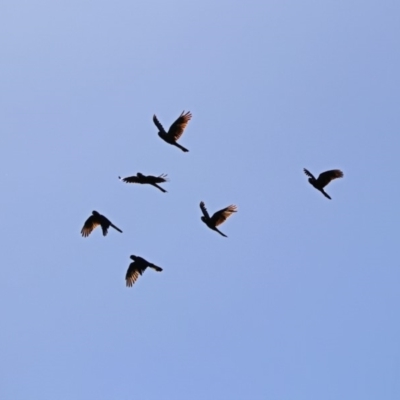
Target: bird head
139, 174
95, 213
133, 258
203, 218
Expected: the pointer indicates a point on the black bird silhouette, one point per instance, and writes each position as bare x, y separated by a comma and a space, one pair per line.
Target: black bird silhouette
218, 218
323, 179
136, 268
175, 131
95, 220
146, 179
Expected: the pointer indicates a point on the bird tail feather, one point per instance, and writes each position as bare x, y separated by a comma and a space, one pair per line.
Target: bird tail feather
181, 147
326, 194
119, 230
159, 187
220, 232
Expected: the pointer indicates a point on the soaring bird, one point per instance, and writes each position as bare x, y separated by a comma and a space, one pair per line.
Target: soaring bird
218, 218
94, 220
175, 131
136, 268
149, 179
323, 179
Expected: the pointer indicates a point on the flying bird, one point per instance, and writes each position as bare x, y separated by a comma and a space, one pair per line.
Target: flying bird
136, 268
146, 179
218, 218
95, 220
323, 179
175, 131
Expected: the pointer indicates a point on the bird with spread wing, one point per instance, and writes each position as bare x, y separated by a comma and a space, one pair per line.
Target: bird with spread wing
136, 268
323, 179
96, 219
146, 179
175, 131
218, 218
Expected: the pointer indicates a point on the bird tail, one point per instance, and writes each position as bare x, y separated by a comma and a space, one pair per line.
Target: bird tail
181, 147
119, 230
326, 194
159, 187
220, 232
158, 269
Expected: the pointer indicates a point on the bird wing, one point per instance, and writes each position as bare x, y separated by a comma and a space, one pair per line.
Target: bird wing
177, 128
327, 176
157, 179
132, 274
89, 225
308, 173
130, 179
220, 216
204, 210
158, 125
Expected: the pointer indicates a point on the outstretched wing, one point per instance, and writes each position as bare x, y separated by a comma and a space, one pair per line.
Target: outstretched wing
130, 179
308, 173
204, 210
158, 125
89, 225
177, 128
220, 216
157, 179
132, 274
327, 176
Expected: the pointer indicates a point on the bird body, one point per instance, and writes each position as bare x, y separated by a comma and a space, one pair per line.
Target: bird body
96, 219
146, 179
218, 218
136, 268
323, 179
175, 131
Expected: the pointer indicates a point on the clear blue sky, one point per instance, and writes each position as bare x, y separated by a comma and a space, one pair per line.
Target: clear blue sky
301, 301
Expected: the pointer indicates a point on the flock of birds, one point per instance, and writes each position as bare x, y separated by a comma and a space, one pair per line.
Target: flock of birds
139, 264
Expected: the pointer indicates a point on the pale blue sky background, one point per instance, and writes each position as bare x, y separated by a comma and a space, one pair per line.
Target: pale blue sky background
301, 302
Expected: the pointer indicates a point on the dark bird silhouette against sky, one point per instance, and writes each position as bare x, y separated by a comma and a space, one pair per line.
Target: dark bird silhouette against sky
136, 268
146, 179
218, 218
95, 220
175, 131
323, 179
